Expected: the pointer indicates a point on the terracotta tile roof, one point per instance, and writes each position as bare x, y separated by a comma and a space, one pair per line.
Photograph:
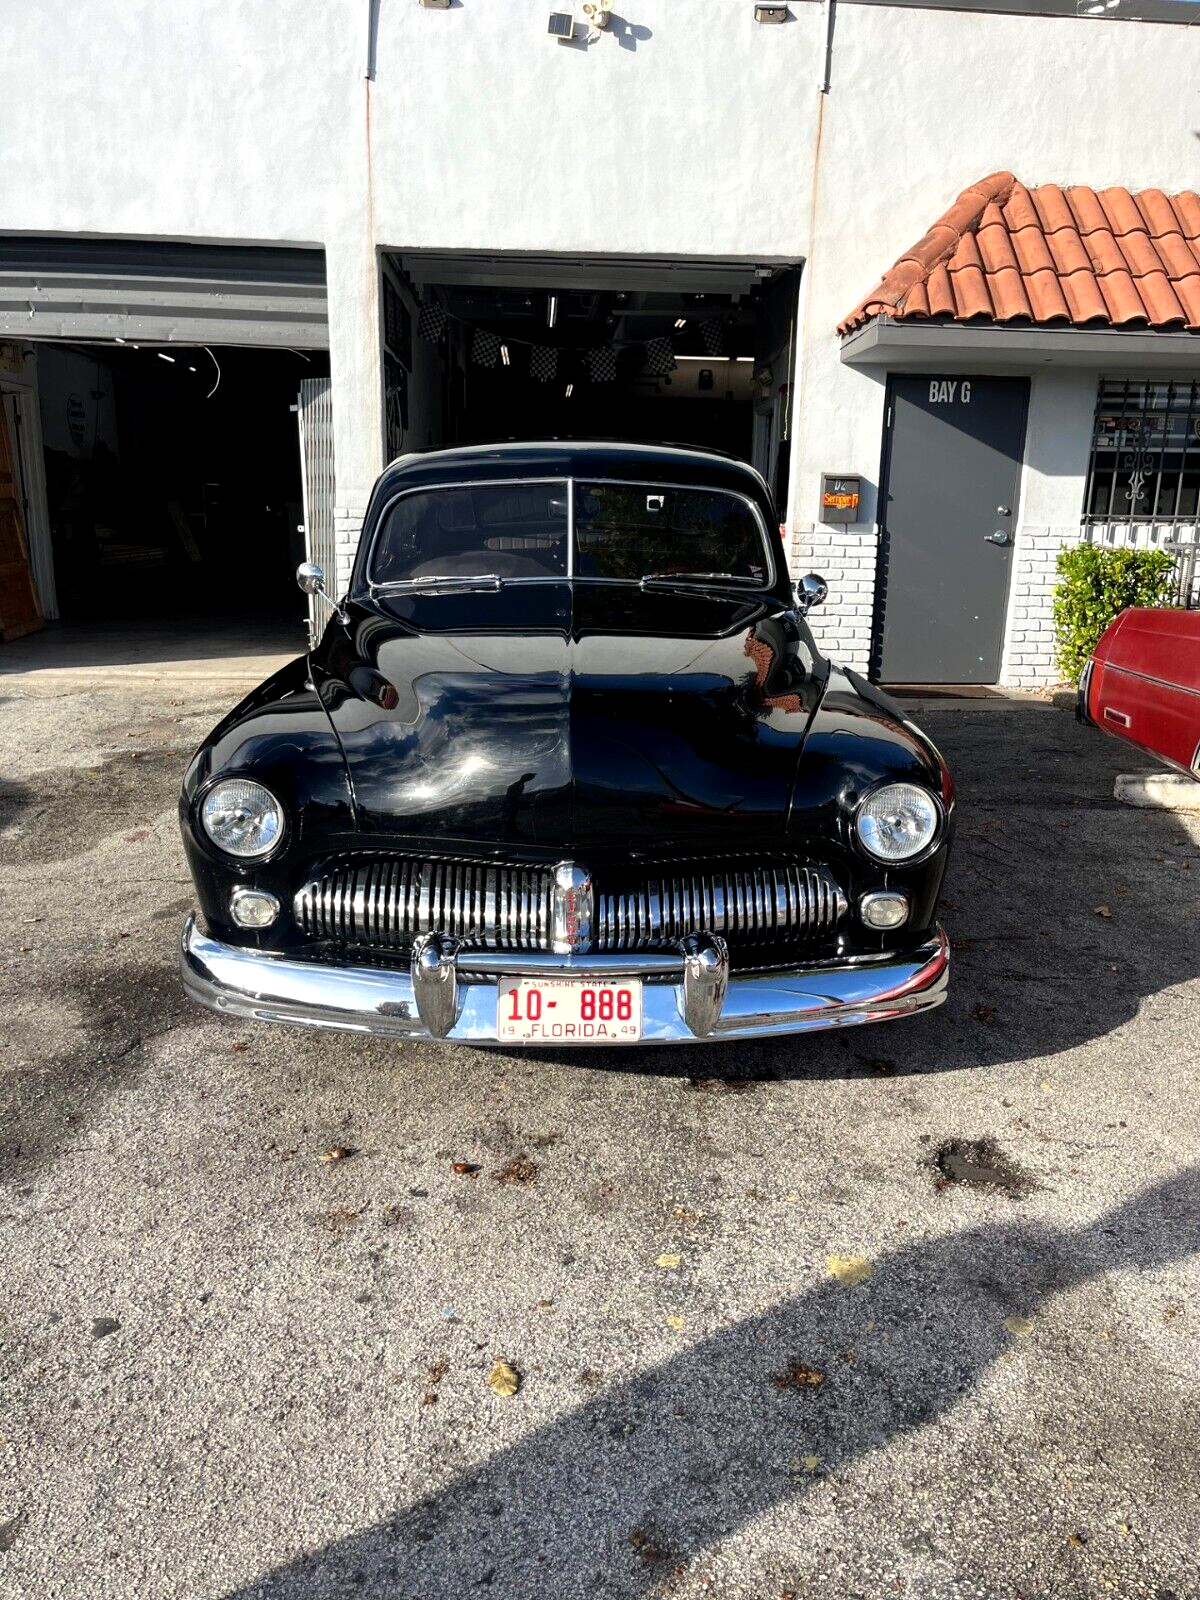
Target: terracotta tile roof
1005, 253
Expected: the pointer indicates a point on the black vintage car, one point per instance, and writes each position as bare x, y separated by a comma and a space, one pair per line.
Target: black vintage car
567, 767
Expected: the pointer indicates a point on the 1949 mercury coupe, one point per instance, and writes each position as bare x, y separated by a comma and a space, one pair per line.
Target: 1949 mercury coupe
567, 767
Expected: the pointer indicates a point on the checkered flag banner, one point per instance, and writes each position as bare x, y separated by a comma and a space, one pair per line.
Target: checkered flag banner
712, 336
543, 363
660, 357
485, 348
601, 362
431, 323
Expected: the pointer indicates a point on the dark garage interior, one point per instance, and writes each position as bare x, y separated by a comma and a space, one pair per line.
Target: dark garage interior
173, 480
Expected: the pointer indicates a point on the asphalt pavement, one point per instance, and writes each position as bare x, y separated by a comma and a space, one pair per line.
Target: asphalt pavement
904, 1310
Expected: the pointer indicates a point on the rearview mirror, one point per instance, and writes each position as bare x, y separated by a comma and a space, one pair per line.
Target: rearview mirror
810, 591
310, 578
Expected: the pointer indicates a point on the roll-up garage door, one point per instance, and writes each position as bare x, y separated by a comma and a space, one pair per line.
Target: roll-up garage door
58, 288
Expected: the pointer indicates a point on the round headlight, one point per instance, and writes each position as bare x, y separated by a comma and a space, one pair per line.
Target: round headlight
242, 818
897, 822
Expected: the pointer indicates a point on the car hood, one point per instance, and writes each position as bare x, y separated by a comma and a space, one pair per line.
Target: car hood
610, 716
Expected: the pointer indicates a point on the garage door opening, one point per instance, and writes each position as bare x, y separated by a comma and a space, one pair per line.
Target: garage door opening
516, 347
173, 482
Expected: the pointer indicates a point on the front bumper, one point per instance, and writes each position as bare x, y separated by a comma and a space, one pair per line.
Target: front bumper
677, 991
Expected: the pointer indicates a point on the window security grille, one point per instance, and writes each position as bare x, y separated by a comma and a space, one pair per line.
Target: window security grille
1143, 482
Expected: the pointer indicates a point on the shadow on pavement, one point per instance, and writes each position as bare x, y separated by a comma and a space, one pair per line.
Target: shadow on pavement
621, 1493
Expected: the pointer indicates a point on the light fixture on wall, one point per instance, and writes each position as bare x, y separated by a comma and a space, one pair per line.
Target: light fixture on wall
504, 355
436, 5
561, 25
551, 310
771, 13
681, 322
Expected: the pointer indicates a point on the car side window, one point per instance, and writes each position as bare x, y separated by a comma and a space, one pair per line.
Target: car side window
502, 530
632, 531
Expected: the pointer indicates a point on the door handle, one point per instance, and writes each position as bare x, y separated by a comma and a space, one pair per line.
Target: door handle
999, 537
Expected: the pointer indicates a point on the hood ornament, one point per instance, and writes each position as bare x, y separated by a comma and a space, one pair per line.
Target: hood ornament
571, 909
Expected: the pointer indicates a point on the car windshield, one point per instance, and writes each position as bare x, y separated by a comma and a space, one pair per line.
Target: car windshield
635, 533
495, 530
644, 531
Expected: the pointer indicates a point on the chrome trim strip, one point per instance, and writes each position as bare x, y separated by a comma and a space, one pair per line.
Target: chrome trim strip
243, 982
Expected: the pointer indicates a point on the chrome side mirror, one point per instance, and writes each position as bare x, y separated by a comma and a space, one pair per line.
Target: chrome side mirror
810, 591
310, 578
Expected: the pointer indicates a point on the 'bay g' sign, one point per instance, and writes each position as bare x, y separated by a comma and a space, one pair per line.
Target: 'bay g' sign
949, 391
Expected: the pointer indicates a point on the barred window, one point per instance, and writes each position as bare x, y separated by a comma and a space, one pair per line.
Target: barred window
1145, 461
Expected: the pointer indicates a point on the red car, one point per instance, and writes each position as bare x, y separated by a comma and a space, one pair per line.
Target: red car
1143, 684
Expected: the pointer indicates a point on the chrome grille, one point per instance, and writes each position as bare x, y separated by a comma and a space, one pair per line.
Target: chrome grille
747, 903
387, 901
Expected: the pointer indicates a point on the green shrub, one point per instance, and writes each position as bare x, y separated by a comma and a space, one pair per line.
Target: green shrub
1095, 583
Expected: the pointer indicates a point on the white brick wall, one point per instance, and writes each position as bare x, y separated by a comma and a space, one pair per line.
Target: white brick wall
846, 560
1028, 661
347, 526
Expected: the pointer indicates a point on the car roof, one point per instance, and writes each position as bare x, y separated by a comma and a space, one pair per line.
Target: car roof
600, 458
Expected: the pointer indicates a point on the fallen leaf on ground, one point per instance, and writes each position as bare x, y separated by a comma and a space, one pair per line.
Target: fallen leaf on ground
798, 1376
338, 1152
504, 1379
667, 1261
1076, 1540
1020, 1327
519, 1169
686, 1214
984, 1013
465, 1169
651, 1549
674, 1322
848, 1270
1103, 911
438, 1370
1046, 1086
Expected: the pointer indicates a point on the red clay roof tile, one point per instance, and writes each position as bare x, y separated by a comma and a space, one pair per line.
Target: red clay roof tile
971, 297
1178, 257
1049, 255
1083, 297
1122, 299
1157, 212
1187, 292
1187, 209
941, 294
1104, 253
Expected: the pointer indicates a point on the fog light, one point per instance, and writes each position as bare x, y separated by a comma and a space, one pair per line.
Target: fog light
253, 908
883, 908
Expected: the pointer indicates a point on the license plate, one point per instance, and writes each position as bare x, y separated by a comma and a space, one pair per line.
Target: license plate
569, 1010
